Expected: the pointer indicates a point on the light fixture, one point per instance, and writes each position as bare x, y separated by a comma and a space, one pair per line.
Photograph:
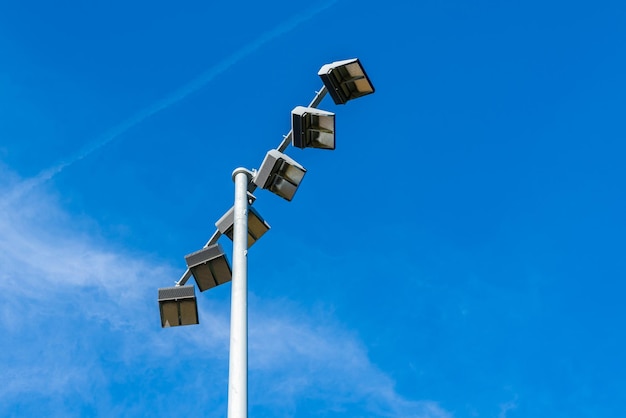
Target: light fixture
279, 174
209, 267
256, 225
345, 80
312, 128
178, 306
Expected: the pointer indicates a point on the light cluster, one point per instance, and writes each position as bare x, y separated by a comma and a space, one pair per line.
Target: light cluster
280, 174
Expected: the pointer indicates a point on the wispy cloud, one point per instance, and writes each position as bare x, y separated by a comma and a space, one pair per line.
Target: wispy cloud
79, 317
506, 407
314, 357
171, 99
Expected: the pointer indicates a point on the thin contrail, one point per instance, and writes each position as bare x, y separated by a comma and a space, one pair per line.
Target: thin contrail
170, 100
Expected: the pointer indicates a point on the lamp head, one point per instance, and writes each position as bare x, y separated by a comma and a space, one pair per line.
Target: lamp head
178, 306
346, 80
312, 128
280, 174
209, 267
256, 225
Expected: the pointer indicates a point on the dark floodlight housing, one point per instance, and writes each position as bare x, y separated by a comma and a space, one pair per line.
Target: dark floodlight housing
312, 128
178, 306
256, 225
280, 174
346, 80
209, 267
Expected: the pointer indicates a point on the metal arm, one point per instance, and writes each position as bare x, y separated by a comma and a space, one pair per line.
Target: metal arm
318, 97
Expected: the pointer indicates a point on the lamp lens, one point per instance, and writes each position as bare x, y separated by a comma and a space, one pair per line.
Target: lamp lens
291, 173
283, 188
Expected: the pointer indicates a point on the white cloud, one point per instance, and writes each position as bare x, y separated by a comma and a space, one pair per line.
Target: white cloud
318, 358
506, 407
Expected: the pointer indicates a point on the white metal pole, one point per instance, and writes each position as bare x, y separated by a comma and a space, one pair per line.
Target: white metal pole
238, 367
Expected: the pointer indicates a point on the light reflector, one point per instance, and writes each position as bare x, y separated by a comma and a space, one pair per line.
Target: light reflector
209, 267
312, 128
280, 174
346, 80
256, 225
178, 306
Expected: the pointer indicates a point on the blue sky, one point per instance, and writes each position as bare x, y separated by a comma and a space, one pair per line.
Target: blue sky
460, 254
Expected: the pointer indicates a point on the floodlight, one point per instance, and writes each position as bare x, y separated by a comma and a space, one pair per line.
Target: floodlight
345, 80
178, 306
312, 128
256, 225
209, 267
280, 174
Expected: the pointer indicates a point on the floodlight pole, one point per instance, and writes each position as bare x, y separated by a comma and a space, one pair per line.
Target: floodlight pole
342, 85
238, 363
